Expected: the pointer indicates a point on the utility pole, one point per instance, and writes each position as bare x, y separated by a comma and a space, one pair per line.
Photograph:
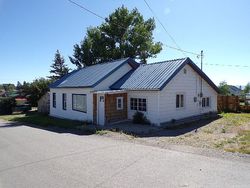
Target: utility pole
201, 59
201, 94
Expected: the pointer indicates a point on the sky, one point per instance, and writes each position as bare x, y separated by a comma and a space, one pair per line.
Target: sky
32, 30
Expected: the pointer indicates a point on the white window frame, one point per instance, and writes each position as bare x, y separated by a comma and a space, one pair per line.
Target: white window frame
75, 104
117, 103
137, 102
206, 99
179, 100
64, 101
54, 100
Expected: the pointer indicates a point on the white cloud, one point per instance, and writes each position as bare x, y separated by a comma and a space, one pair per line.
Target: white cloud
167, 11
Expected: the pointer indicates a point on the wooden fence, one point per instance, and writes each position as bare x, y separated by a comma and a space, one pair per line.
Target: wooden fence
230, 104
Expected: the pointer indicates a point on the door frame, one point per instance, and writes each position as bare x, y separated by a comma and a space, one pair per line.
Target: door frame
98, 108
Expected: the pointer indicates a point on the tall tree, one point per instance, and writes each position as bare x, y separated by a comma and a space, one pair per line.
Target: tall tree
224, 88
123, 34
247, 88
58, 67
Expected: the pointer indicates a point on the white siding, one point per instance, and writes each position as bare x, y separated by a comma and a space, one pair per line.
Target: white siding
152, 104
111, 79
69, 113
161, 105
189, 85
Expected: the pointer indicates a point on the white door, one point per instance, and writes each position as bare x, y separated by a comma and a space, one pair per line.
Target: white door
101, 118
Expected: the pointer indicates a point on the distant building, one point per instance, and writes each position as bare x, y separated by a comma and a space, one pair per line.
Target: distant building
234, 90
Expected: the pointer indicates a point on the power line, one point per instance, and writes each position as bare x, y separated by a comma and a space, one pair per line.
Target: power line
164, 28
101, 17
90, 11
178, 48
227, 65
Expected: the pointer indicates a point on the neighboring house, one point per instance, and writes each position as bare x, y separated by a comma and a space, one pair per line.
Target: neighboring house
114, 91
235, 91
44, 104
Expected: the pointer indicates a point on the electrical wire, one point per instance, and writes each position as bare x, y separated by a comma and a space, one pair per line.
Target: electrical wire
101, 17
168, 46
164, 28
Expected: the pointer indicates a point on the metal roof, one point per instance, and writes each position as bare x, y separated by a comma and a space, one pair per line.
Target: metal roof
152, 76
155, 76
92, 75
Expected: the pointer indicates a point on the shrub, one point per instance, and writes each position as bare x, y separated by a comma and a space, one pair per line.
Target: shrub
140, 118
7, 105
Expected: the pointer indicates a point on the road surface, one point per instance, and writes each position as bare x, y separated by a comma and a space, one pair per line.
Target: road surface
33, 157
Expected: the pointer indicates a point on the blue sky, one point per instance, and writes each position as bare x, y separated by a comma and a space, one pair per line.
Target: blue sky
32, 30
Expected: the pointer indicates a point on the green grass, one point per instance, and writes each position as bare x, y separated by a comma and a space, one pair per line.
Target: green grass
235, 119
42, 120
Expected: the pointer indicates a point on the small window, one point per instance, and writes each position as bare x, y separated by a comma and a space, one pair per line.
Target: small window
208, 101
79, 102
185, 71
133, 103
54, 100
205, 102
119, 103
179, 101
142, 105
101, 98
64, 101
139, 104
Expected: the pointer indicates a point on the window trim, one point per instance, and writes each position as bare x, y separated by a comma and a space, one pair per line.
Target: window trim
137, 104
73, 103
117, 107
206, 99
64, 101
54, 100
180, 102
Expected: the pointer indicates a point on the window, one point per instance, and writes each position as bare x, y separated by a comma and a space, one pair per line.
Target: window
142, 105
119, 103
205, 102
64, 101
133, 103
179, 101
138, 104
54, 100
79, 102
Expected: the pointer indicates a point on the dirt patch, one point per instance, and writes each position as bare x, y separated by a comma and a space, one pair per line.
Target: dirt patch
229, 133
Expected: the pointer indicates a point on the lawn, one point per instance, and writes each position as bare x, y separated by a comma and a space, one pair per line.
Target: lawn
42, 120
230, 133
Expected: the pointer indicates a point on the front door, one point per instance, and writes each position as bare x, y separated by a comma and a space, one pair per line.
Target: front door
101, 114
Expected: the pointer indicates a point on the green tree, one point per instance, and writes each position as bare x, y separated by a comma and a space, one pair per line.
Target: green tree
58, 67
123, 34
224, 88
9, 87
35, 90
247, 88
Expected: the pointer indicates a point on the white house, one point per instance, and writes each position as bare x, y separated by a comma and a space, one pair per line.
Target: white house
114, 91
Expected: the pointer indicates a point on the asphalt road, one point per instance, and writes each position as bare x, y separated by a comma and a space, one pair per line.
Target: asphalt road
32, 157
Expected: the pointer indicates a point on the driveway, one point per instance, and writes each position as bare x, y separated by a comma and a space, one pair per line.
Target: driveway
32, 157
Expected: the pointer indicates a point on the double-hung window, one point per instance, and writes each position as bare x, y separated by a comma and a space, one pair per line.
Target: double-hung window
79, 102
205, 102
54, 100
64, 101
139, 104
179, 101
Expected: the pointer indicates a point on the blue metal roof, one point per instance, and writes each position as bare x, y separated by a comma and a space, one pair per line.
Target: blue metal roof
92, 75
155, 76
